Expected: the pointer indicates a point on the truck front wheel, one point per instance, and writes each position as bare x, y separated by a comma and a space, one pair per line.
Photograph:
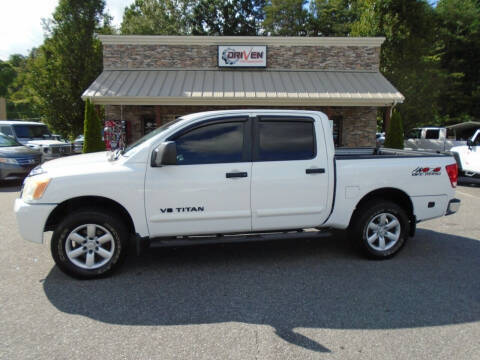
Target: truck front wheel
89, 244
380, 229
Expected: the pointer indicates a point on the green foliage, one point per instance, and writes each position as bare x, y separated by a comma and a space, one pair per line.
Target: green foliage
408, 58
330, 17
394, 137
286, 18
67, 63
223, 17
7, 74
154, 17
92, 130
459, 53
20, 100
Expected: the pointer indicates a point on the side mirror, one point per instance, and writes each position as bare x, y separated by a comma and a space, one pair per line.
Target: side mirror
469, 143
165, 154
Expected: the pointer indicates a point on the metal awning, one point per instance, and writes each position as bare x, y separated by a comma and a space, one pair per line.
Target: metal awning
242, 87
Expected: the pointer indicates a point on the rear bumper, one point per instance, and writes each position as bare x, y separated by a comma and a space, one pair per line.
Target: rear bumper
453, 206
31, 219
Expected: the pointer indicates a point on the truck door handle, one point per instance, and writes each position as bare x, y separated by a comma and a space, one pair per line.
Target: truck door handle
236, 175
315, 171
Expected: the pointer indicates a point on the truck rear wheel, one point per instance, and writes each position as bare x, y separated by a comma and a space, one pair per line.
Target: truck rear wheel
379, 229
88, 244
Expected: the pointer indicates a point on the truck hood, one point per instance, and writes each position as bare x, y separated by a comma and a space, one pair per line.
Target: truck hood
41, 142
15, 151
84, 162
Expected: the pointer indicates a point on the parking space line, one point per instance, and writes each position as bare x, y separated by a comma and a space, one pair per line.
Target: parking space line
467, 194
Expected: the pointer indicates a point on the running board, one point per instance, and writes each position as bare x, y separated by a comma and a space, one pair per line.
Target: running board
239, 238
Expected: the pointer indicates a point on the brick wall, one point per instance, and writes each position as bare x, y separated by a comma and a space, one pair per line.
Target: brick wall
205, 57
358, 125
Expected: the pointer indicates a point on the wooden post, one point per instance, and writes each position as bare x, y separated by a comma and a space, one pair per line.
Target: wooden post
3, 109
158, 115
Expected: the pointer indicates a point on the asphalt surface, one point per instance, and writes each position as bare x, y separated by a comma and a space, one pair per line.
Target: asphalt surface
290, 299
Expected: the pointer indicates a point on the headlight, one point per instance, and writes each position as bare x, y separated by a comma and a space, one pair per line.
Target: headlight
34, 188
8, 160
37, 171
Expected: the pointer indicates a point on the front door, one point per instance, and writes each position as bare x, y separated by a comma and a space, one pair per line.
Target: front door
208, 191
289, 174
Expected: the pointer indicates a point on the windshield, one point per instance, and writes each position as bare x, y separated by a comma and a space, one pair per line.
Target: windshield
32, 131
151, 135
7, 141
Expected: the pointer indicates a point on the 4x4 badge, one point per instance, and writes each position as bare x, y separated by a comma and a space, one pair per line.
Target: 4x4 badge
426, 171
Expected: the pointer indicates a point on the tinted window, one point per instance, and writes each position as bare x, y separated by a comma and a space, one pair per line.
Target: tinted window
432, 134
285, 140
31, 131
215, 143
6, 130
414, 134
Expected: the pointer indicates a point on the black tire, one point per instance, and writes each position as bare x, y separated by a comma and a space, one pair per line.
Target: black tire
360, 231
105, 223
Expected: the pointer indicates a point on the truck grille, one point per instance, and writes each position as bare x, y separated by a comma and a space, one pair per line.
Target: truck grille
25, 161
61, 149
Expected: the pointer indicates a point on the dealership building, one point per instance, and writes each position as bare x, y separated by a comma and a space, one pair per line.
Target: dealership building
150, 80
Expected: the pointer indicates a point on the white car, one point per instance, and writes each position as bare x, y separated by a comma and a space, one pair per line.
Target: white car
36, 136
231, 175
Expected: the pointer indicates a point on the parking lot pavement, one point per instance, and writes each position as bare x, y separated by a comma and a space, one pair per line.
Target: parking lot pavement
275, 300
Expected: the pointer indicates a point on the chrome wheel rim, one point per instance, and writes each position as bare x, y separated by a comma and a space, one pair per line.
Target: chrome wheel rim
90, 246
383, 231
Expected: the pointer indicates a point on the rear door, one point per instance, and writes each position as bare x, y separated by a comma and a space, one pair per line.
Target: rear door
208, 191
289, 173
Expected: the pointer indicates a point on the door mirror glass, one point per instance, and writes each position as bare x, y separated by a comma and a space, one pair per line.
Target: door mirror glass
165, 154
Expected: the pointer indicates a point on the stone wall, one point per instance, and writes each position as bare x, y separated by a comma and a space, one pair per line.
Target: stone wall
357, 124
205, 57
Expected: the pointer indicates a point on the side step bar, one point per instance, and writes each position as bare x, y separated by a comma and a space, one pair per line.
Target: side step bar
238, 238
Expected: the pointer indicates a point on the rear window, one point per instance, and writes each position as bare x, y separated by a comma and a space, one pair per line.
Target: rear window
432, 134
285, 140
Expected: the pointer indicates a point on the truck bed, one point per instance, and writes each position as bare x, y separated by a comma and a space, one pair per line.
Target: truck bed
373, 153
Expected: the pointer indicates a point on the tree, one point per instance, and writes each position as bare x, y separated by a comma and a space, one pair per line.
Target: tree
68, 62
459, 53
286, 18
408, 55
226, 17
394, 138
92, 130
20, 102
7, 75
155, 17
330, 17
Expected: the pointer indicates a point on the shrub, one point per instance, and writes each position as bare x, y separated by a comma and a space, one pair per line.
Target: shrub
394, 138
92, 130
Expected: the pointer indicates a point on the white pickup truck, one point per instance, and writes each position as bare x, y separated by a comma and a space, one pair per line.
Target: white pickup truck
231, 176
432, 139
468, 156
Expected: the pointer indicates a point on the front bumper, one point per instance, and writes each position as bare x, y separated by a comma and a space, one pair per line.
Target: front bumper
12, 171
31, 219
453, 206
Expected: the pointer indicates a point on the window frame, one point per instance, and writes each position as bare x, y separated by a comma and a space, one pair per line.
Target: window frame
247, 138
276, 118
